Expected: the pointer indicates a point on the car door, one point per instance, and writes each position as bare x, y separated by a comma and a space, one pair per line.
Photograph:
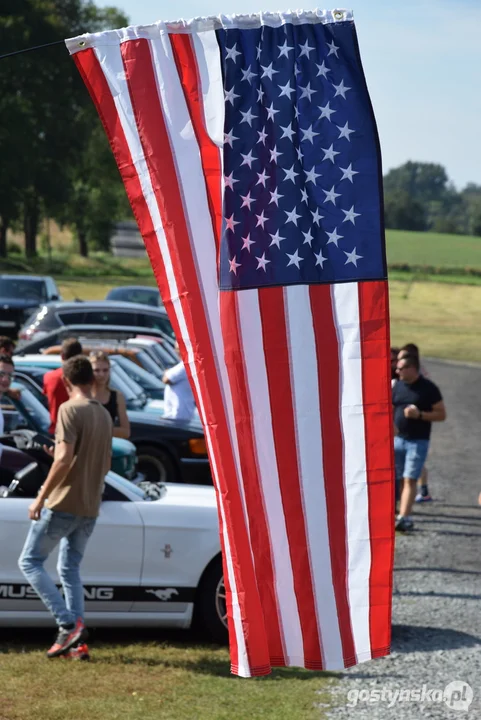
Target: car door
110, 570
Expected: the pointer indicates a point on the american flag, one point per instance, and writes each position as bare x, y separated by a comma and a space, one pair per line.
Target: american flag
249, 152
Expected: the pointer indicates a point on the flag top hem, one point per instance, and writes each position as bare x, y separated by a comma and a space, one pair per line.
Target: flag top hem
206, 24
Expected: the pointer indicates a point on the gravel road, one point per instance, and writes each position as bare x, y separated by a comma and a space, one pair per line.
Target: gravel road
437, 581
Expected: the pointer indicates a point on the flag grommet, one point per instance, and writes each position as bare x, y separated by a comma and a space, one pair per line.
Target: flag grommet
338, 14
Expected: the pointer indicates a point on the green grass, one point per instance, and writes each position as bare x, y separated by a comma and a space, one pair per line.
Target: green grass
431, 249
141, 680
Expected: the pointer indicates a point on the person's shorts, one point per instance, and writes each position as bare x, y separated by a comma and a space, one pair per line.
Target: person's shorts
410, 456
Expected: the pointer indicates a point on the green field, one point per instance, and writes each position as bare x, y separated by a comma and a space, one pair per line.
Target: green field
431, 249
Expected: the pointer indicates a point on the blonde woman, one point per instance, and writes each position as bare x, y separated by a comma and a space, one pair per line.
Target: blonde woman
112, 400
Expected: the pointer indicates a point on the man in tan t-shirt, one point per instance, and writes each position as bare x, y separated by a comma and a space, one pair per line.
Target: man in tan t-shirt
72, 495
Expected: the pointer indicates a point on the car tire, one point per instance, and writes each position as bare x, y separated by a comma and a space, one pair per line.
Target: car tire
156, 464
210, 608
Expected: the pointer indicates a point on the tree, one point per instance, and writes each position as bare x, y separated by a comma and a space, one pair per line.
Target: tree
401, 212
423, 182
42, 93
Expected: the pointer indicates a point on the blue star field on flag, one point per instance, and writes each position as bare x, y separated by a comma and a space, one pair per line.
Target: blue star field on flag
301, 160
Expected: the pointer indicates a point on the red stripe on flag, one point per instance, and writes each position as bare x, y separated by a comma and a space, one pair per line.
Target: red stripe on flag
259, 533
327, 351
155, 142
185, 60
376, 385
276, 350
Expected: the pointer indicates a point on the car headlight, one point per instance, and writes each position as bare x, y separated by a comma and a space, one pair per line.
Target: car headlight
197, 446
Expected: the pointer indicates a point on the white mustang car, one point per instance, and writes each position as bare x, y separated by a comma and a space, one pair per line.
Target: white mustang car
153, 560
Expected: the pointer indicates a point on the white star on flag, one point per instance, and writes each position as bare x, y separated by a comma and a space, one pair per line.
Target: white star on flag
234, 265
290, 174
275, 154
331, 195
247, 201
316, 217
262, 178
230, 137
333, 49
248, 117
276, 239
345, 132
306, 92
262, 136
292, 216
308, 238
248, 159
341, 89
285, 49
309, 134
352, 257
320, 259
261, 220
304, 197
288, 132
268, 71
286, 90
247, 243
232, 53
311, 175
271, 111
333, 237
230, 222
294, 259
326, 111
329, 153
350, 215
262, 262
248, 75
230, 96
275, 197
348, 173
305, 49
229, 180
323, 70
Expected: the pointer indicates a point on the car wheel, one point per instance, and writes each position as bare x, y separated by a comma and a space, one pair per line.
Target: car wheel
155, 464
211, 607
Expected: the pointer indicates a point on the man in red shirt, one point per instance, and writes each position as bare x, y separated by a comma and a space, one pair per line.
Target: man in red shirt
53, 385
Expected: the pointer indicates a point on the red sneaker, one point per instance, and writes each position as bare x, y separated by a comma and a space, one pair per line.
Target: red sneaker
67, 638
79, 652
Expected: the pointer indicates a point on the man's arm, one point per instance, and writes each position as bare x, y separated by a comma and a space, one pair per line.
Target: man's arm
437, 414
61, 465
174, 374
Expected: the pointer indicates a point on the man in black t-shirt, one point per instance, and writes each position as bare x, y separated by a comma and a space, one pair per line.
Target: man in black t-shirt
417, 402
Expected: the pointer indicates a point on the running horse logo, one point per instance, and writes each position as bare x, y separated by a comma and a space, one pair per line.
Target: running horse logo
165, 594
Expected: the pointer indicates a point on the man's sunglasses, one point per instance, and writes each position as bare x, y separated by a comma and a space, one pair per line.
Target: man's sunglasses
3, 374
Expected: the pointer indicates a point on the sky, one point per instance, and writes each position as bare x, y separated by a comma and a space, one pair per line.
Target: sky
422, 61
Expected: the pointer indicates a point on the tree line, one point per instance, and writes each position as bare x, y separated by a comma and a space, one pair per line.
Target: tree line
56, 162
420, 196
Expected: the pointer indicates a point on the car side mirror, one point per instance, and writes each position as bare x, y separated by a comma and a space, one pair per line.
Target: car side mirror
54, 297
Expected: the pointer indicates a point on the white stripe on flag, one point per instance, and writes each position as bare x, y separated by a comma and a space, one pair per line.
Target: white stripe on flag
111, 62
207, 54
305, 385
250, 330
346, 315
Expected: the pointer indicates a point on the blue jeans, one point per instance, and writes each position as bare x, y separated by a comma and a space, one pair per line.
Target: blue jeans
72, 532
410, 456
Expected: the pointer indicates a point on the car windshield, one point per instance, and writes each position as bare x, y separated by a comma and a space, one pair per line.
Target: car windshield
134, 394
31, 406
141, 376
24, 289
125, 484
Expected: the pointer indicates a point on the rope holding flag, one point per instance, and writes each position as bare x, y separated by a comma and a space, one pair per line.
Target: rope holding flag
249, 152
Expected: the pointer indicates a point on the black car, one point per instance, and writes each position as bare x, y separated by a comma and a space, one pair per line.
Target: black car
139, 294
20, 296
104, 313
167, 450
